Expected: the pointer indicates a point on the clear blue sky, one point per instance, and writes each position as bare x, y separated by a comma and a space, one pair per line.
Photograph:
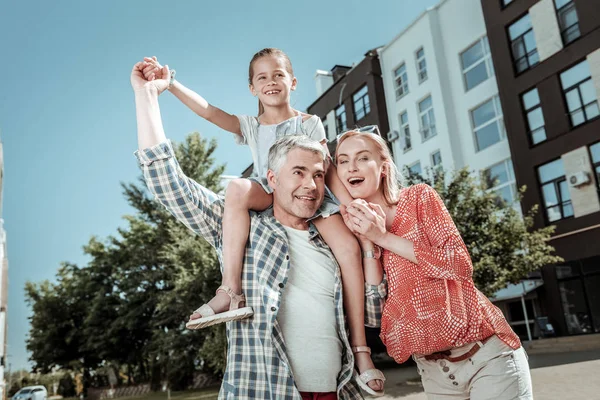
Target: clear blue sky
67, 116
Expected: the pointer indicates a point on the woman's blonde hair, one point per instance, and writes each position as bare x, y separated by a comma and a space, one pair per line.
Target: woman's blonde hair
390, 182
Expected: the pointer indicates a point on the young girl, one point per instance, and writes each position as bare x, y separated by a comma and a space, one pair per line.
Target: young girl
271, 79
461, 342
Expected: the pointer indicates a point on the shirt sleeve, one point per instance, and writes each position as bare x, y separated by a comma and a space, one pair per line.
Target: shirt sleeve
314, 128
197, 207
374, 300
444, 254
248, 128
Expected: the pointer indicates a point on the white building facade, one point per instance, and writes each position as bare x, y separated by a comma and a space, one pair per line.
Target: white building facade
442, 97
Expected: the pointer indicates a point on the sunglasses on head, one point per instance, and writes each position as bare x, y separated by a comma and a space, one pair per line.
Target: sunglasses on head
369, 128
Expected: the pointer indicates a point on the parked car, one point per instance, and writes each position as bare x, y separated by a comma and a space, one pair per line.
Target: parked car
37, 392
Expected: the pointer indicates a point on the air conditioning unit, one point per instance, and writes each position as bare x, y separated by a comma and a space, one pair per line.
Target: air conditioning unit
578, 178
392, 135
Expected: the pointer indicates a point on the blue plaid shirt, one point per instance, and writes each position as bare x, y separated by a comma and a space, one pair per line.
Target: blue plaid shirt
257, 363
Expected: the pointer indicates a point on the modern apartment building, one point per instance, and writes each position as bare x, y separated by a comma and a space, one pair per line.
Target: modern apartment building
546, 55
351, 97
442, 96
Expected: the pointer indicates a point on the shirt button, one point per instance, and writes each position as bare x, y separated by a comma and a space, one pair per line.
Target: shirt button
445, 369
273, 309
287, 257
451, 376
455, 383
281, 285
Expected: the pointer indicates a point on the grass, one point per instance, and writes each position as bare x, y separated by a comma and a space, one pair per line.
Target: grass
210, 393
200, 394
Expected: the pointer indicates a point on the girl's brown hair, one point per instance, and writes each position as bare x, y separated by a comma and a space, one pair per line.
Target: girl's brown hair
269, 51
390, 183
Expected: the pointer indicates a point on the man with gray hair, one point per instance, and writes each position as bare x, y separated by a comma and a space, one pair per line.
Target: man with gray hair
297, 337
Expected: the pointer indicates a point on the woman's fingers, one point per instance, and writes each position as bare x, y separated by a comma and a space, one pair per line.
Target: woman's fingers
363, 209
378, 210
357, 201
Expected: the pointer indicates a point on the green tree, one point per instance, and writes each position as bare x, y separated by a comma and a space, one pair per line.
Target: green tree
66, 385
129, 305
503, 245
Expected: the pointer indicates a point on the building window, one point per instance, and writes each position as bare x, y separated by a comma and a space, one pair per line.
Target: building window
567, 20
535, 118
595, 153
340, 119
578, 283
362, 106
421, 65
580, 93
405, 132
436, 159
326, 127
555, 192
477, 63
401, 81
487, 123
522, 43
427, 118
500, 178
415, 169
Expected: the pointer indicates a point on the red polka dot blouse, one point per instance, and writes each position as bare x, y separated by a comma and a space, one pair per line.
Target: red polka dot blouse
433, 305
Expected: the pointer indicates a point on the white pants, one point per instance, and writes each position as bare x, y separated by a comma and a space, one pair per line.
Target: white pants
495, 372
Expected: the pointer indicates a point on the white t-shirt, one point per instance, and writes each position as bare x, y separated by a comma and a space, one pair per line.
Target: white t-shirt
307, 316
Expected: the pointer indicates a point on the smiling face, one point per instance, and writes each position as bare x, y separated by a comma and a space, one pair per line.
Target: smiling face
298, 186
360, 167
272, 80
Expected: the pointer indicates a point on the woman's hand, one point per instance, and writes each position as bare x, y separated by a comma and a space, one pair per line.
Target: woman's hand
139, 81
365, 220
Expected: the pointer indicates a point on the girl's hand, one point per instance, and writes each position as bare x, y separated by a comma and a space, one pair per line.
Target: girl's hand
139, 82
153, 70
366, 220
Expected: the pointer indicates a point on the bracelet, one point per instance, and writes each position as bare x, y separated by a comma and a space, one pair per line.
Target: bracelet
172, 78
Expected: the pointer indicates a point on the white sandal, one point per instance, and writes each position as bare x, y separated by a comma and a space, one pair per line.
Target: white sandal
368, 375
208, 316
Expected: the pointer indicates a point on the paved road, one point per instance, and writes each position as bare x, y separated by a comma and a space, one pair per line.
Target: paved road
562, 376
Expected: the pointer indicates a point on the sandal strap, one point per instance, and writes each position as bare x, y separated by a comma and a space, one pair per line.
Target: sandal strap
236, 299
372, 374
361, 349
205, 310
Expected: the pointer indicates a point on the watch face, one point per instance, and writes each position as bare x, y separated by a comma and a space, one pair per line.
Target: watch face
376, 253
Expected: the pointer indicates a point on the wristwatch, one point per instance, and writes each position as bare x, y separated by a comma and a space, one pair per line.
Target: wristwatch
374, 253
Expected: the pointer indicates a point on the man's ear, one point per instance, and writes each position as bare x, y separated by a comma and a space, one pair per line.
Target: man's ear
251, 88
294, 83
271, 179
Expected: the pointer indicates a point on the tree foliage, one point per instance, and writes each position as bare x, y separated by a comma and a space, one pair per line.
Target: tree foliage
128, 306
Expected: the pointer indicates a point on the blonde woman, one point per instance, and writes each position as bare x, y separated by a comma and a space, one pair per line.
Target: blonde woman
462, 344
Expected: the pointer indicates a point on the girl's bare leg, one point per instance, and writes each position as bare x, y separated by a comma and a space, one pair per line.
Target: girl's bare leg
241, 196
347, 251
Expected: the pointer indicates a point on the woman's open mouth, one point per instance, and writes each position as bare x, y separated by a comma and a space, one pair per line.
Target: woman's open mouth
355, 181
